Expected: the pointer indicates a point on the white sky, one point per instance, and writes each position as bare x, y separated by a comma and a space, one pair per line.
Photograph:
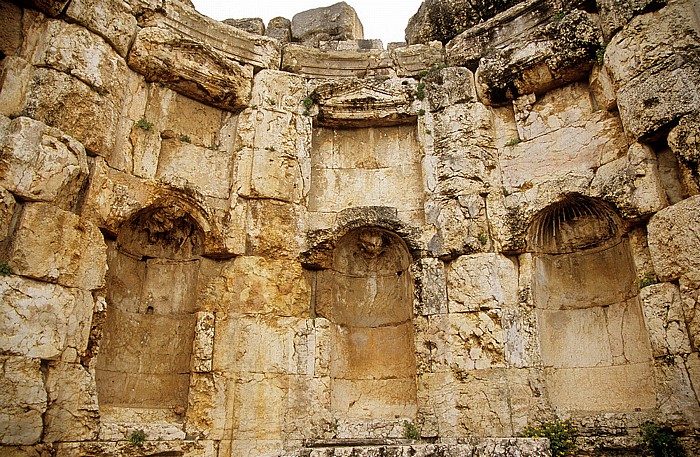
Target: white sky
383, 19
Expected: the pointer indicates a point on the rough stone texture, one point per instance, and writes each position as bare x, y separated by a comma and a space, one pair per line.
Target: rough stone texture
665, 320
337, 22
614, 14
684, 140
38, 162
7, 210
73, 256
41, 320
279, 28
23, 402
114, 21
50, 7
11, 35
253, 25
442, 20
481, 282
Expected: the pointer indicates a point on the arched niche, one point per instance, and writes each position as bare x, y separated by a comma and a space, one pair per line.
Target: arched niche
144, 358
369, 302
593, 340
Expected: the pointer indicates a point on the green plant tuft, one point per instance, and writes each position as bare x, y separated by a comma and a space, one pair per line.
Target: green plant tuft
561, 435
483, 239
185, 139
5, 269
421, 112
660, 442
559, 16
410, 431
308, 103
600, 55
513, 141
137, 437
143, 124
647, 279
420, 91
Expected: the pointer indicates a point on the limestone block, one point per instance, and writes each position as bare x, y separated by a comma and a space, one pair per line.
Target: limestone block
602, 88
476, 341
449, 86
481, 282
693, 365
673, 240
255, 285
684, 141
259, 404
279, 28
210, 406
275, 174
73, 412
186, 165
607, 388
431, 286
665, 320
7, 210
253, 25
676, 394
23, 402
482, 403
461, 228
337, 22
633, 182
521, 335
160, 444
11, 34
410, 61
43, 320
113, 20
690, 297
74, 107
558, 53
164, 56
50, 7
375, 398
315, 63
615, 15
277, 90
203, 345
57, 246
15, 77
41, 163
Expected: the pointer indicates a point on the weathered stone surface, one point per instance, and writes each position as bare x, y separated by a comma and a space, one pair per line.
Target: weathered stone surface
121, 446
253, 25
15, 76
480, 282
351, 45
653, 63
57, 246
38, 162
254, 285
23, 400
665, 319
673, 241
413, 60
614, 14
43, 320
73, 412
477, 447
558, 53
210, 75
11, 34
7, 210
279, 28
337, 22
684, 141
442, 20
431, 287
50, 7
272, 229
449, 86
277, 91
113, 20
602, 88
335, 64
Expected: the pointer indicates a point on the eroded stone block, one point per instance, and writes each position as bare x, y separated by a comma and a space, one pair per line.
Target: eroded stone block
23, 402
481, 281
665, 319
337, 22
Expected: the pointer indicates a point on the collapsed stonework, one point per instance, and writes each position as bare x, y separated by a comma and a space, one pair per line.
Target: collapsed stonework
221, 243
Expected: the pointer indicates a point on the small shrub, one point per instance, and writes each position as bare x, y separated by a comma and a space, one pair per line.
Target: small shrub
420, 91
483, 239
308, 103
185, 139
143, 124
421, 112
410, 431
432, 69
600, 55
5, 269
647, 279
513, 141
560, 434
559, 16
660, 442
137, 437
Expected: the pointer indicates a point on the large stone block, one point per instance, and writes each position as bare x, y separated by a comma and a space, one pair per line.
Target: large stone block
255, 285
113, 20
259, 404
481, 281
57, 246
7, 211
22, 402
11, 34
277, 90
673, 241
73, 412
431, 286
50, 7
337, 22
615, 14
665, 320
315, 63
38, 162
449, 86
208, 75
684, 141
411, 61
43, 320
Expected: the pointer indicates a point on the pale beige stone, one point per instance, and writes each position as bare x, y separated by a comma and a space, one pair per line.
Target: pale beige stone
690, 297
15, 77
43, 320
431, 287
602, 88
481, 282
675, 391
412, 60
374, 398
162, 443
38, 162
210, 406
278, 90
24, 400
314, 63
7, 210
665, 319
113, 20
57, 246
255, 285
73, 411
673, 240
332, 23
259, 402
203, 346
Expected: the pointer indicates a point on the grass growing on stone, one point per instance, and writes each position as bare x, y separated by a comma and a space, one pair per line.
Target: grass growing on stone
5, 269
143, 124
137, 437
410, 431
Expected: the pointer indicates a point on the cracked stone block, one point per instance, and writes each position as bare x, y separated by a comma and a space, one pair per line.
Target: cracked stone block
23, 400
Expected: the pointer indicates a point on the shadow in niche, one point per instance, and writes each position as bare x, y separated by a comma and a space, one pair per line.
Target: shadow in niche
143, 367
593, 340
368, 298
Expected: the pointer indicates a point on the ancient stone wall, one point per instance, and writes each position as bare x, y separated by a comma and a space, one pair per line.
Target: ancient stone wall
218, 243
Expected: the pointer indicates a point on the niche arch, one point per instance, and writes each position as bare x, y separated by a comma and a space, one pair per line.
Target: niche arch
593, 341
367, 295
144, 358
